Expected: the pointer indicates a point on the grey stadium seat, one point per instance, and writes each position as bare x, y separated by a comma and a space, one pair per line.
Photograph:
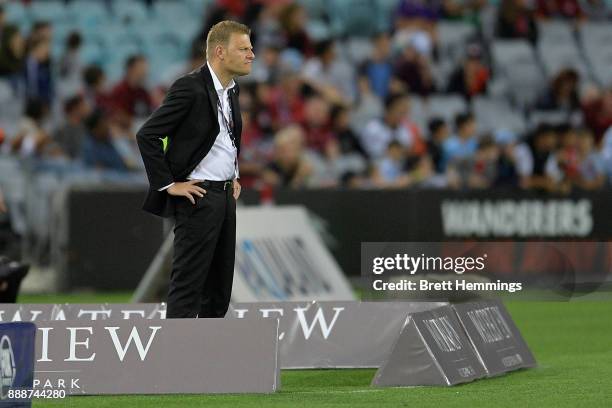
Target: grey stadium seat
445, 106
452, 39
548, 117
496, 113
555, 32
556, 57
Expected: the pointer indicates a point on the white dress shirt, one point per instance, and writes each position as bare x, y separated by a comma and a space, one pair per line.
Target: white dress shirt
221, 162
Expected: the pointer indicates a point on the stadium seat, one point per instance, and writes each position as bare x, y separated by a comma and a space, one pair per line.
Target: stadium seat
93, 53
386, 14
445, 106
89, 13
16, 12
602, 68
133, 11
557, 56
515, 60
174, 13
555, 32
199, 7
548, 117
596, 34
496, 113
357, 18
50, 10
453, 37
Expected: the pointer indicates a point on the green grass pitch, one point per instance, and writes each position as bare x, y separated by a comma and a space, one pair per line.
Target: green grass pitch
572, 342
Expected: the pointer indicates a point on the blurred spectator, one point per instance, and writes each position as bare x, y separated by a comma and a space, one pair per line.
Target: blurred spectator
368, 105
70, 66
389, 170
598, 113
2, 20
12, 51
267, 66
463, 143
284, 104
577, 163
98, 149
399, 169
41, 30
563, 165
418, 15
347, 139
332, 168
95, 92
130, 98
289, 168
37, 70
379, 67
316, 124
414, 70
478, 170
562, 93
591, 173
293, 19
507, 163
330, 76
31, 138
71, 134
569, 9
438, 133
516, 20
255, 147
378, 133
471, 78
533, 156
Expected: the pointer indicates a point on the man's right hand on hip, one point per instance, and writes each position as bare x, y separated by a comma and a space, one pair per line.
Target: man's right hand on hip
187, 189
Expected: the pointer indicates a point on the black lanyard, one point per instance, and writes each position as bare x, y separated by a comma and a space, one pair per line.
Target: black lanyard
228, 125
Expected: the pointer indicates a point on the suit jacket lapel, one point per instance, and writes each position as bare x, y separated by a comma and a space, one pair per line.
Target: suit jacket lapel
210, 87
236, 118
213, 98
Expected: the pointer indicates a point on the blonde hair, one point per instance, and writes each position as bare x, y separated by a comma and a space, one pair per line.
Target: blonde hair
288, 135
220, 33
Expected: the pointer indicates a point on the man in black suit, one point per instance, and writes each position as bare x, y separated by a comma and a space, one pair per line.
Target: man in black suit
196, 178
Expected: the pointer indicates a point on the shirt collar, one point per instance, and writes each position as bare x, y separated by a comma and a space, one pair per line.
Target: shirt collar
217, 83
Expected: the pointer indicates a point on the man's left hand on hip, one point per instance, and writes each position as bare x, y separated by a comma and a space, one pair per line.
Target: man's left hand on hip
237, 189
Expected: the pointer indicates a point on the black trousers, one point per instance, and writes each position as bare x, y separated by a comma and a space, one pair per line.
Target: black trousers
204, 252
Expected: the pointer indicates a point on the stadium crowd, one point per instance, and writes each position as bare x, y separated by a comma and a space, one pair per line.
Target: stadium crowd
395, 104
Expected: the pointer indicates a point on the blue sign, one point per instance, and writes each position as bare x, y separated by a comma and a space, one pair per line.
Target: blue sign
17, 359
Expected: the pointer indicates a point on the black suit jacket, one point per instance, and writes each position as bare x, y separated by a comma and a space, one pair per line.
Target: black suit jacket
188, 117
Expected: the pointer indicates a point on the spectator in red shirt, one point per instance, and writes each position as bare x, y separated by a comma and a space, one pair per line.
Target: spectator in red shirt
130, 99
94, 91
285, 102
559, 9
471, 78
316, 124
